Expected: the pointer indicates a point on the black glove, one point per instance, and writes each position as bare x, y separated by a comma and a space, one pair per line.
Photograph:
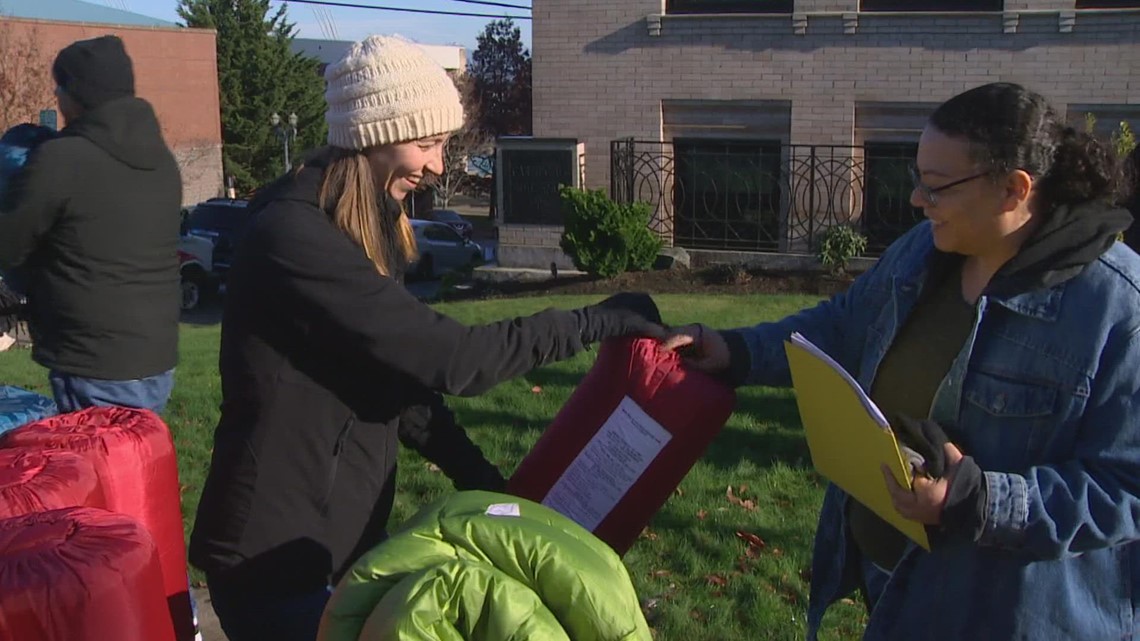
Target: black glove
430, 428
11, 307
624, 314
927, 439
964, 512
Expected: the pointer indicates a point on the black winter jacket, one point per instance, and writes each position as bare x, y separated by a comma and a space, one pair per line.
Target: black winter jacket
92, 221
320, 356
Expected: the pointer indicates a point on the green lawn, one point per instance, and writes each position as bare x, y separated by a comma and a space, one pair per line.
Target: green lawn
691, 569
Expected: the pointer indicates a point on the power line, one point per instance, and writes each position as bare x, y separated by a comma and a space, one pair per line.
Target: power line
351, 5
493, 4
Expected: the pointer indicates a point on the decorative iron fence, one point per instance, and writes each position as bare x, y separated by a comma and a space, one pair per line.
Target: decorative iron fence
766, 196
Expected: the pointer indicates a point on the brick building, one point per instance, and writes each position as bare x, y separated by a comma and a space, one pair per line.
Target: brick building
752, 125
175, 69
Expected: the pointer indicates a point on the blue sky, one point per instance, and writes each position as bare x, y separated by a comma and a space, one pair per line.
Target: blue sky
355, 24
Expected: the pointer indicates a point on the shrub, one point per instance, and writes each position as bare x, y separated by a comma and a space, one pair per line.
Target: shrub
840, 244
605, 238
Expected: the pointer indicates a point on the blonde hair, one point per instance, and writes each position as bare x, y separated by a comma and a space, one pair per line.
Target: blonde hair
349, 195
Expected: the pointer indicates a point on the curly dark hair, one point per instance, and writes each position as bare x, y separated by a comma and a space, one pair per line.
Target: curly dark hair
1010, 127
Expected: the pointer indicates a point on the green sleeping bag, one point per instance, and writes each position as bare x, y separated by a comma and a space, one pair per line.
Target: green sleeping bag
487, 567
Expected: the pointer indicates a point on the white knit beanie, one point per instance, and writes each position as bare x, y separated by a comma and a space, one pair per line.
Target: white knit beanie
386, 90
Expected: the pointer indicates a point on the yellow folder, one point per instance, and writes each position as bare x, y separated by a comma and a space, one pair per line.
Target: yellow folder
847, 435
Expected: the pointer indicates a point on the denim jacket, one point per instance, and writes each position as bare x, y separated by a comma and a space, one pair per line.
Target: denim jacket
1045, 395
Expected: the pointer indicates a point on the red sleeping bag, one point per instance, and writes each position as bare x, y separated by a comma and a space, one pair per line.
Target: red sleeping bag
629, 434
41, 480
133, 455
80, 574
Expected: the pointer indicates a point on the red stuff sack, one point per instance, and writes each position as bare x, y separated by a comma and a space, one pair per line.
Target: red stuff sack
629, 434
80, 574
42, 480
133, 455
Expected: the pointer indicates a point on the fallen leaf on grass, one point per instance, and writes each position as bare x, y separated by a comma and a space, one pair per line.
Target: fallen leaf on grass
696, 614
755, 544
751, 539
679, 491
660, 573
747, 504
702, 515
648, 534
537, 389
717, 580
432, 467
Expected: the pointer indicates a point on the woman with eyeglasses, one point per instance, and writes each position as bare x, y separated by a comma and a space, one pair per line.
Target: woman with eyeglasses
1001, 338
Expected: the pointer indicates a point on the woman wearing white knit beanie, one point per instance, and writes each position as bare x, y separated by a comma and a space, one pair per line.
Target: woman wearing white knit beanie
390, 111
327, 363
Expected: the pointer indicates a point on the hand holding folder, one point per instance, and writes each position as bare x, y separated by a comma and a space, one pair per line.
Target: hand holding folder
849, 438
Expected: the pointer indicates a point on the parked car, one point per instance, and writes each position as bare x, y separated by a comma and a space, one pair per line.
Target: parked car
441, 250
452, 218
222, 221
195, 265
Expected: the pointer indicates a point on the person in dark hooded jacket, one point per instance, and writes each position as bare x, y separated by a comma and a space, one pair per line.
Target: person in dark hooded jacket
328, 363
92, 224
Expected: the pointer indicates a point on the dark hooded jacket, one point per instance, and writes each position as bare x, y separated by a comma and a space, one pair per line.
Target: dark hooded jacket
93, 221
326, 366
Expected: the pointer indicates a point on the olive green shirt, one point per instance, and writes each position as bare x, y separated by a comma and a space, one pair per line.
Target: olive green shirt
907, 380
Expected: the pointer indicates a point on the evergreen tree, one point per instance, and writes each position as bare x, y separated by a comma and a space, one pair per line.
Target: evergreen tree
259, 75
501, 77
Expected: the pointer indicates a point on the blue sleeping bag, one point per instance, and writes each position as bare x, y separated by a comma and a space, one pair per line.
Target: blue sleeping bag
19, 406
16, 145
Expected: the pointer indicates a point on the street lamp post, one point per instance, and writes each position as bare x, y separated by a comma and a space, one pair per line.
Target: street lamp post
286, 133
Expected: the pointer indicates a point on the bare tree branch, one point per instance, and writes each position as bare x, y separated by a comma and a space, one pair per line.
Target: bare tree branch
25, 77
470, 141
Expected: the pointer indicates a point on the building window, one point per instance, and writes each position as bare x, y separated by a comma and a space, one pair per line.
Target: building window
729, 6
1108, 4
726, 194
887, 212
930, 5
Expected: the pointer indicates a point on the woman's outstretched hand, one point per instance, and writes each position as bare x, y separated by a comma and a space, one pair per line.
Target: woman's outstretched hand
700, 346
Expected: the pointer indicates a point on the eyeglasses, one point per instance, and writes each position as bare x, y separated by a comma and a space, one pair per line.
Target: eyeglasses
929, 193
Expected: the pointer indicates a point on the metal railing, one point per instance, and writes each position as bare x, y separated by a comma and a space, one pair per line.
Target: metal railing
765, 196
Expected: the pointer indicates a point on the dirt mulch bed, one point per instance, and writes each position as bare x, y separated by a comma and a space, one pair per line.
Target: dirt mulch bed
719, 279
